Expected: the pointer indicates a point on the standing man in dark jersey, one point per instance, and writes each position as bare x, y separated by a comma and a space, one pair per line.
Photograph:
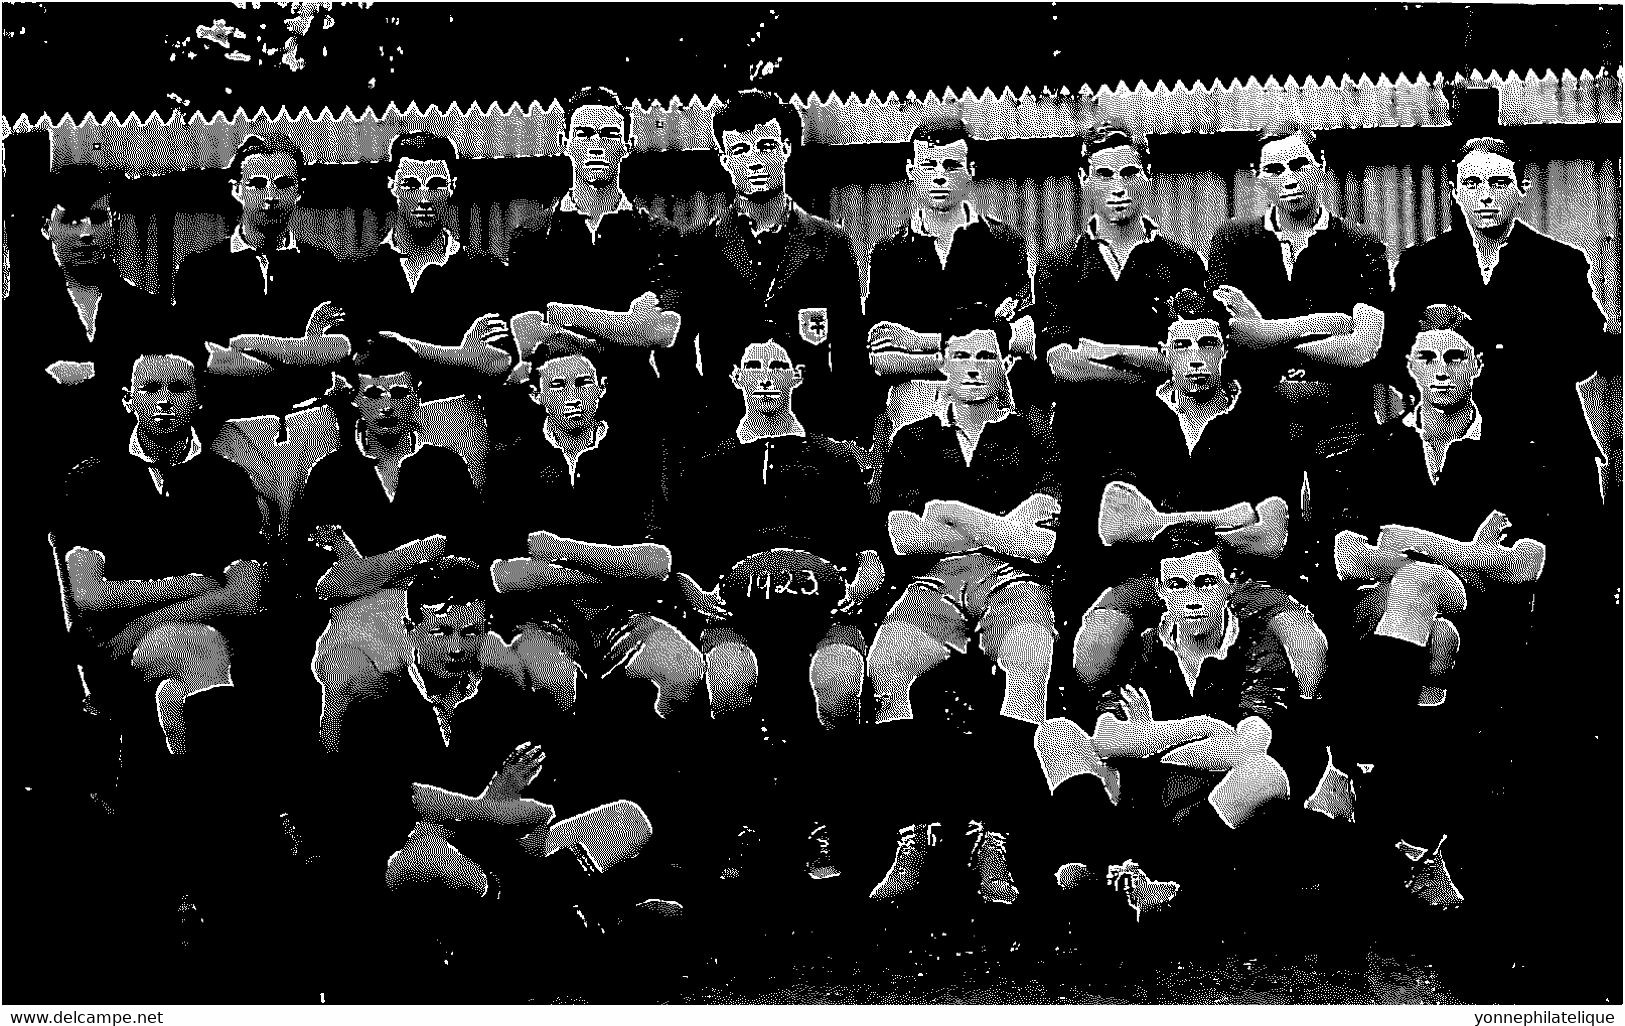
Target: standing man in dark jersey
949, 254
593, 272
1307, 291
266, 304
447, 302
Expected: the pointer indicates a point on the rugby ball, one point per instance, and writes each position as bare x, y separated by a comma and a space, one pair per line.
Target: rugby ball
782, 582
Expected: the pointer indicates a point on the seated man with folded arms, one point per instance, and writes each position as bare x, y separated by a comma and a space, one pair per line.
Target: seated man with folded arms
376, 511
970, 495
1200, 449
580, 498
164, 557
1193, 740
1440, 496
791, 505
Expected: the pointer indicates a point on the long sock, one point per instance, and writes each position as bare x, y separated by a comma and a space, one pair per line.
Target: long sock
907, 765
1080, 824
1006, 777
1381, 680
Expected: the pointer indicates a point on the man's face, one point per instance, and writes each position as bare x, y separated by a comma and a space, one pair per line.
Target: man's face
596, 143
387, 404
1444, 366
1117, 182
766, 377
941, 174
569, 389
422, 190
1488, 192
755, 160
81, 239
268, 191
446, 640
1194, 590
973, 367
1194, 351
163, 396
1290, 175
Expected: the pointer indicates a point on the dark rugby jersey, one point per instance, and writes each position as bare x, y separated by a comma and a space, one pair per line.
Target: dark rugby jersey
1342, 265
433, 495
987, 264
1012, 461
610, 497
205, 520
750, 494
1078, 297
222, 292
446, 301
1250, 676
1241, 456
557, 258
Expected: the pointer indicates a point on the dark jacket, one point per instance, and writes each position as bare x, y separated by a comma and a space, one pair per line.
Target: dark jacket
809, 302
1536, 324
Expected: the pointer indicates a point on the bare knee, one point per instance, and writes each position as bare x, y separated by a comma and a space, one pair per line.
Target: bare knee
1098, 643
191, 651
900, 654
1026, 650
836, 675
1427, 586
547, 669
672, 663
730, 677
1305, 645
1443, 645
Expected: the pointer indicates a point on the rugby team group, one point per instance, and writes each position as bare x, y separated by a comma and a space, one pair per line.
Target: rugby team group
370, 565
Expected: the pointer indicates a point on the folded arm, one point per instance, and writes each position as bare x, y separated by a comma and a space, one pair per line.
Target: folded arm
240, 596
1140, 739
354, 577
645, 325
642, 561
1094, 361
1016, 536
914, 535
1266, 537
94, 594
527, 574
1350, 349
234, 363
303, 351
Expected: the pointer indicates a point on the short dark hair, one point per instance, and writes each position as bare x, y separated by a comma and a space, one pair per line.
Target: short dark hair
448, 581
942, 130
423, 146
380, 355
1286, 129
1190, 305
75, 187
192, 353
1499, 147
963, 320
1176, 541
595, 96
748, 108
271, 142
1110, 134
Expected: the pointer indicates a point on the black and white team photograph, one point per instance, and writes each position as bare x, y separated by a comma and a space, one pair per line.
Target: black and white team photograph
865, 505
